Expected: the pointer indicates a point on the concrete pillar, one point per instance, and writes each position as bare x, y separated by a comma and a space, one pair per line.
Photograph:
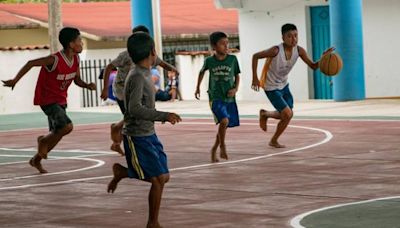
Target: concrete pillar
347, 37
142, 14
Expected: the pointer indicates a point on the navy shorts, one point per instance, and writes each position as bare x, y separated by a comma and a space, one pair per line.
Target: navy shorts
163, 95
223, 110
145, 157
57, 116
280, 98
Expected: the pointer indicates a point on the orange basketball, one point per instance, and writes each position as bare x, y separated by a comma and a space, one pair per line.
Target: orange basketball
331, 64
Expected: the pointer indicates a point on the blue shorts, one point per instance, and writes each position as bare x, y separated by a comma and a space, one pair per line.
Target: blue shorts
145, 157
280, 98
223, 110
162, 95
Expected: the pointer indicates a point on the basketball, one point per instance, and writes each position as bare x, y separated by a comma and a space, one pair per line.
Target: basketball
330, 64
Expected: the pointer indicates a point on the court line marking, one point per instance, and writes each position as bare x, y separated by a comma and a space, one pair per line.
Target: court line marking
97, 161
295, 222
328, 137
207, 118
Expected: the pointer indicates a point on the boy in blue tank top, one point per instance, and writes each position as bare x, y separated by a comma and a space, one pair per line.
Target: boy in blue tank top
222, 88
281, 59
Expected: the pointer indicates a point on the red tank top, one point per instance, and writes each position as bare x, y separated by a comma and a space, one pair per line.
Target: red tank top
52, 84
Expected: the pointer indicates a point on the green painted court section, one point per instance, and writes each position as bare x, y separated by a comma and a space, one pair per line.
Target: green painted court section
376, 214
39, 120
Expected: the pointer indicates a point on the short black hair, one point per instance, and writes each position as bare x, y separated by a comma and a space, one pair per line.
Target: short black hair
140, 28
67, 35
288, 27
140, 45
216, 36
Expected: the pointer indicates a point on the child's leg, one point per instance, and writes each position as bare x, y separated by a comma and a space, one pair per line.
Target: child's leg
285, 117
214, 150
116, 136
223, 125
119, 172
172, 93
156, 190
178, 94
46, 144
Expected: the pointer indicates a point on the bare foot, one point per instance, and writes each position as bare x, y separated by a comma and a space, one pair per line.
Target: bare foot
117, 148
222, 152
214, 154
263, 119
41, 147
35, 163
119, 172
276, 145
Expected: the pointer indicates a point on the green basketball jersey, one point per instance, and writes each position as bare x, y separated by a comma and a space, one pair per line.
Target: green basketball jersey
222, 77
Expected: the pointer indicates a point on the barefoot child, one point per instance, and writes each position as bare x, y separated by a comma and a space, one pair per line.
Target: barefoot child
281, 59
124, 63
56, 75
143, 151
223, 85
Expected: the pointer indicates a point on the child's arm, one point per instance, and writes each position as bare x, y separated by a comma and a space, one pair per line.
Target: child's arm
313, 65
168, 67
233, 91
78, 81
107, 72
135, 106
303, 55
269, 53
197, 93
45, 61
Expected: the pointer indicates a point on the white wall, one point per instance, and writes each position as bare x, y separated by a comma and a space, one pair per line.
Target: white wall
259, 29
189, 68
21, 98
381, 48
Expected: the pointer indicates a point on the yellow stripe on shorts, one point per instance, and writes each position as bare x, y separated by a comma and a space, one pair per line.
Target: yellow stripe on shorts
134, 159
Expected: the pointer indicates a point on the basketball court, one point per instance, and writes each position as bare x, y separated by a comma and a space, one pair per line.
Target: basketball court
338, 170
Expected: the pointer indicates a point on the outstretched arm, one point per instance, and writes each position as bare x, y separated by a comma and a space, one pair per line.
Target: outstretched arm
197, 93
313, 65
78, 81
168, 67
269, 53
45, 61
303, 55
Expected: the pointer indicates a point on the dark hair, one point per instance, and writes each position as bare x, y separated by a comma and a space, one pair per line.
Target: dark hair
68, 35
216, 36
140, 28
140, 45
288, 27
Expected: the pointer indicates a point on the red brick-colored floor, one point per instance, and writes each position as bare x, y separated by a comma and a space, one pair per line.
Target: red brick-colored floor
360, 162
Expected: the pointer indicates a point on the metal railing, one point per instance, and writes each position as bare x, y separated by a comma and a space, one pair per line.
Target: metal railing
90, 71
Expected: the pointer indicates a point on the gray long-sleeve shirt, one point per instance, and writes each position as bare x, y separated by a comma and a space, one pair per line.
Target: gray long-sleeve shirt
140, 104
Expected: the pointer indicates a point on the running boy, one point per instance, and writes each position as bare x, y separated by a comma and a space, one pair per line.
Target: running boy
143, 151
124, 63
281, 59
222, 87
56, 75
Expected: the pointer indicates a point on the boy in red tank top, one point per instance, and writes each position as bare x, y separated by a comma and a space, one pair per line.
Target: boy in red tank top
56, 75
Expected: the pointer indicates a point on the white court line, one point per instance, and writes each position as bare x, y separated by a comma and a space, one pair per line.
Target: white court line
97, 161
295, 222
316, 118
61, 151
328, 137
